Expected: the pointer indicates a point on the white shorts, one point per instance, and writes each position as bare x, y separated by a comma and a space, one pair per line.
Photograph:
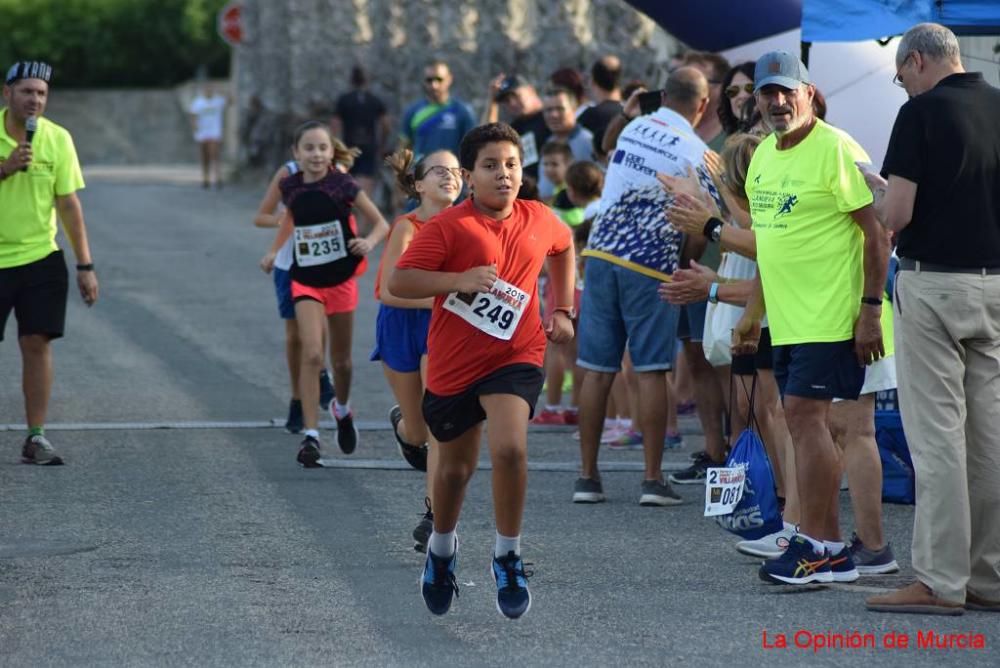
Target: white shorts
879, 376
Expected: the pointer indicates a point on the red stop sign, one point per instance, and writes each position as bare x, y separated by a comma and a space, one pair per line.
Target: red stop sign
230, 23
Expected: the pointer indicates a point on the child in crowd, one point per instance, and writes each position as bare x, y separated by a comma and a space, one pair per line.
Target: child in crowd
480, 262
556, 160
269, 215
401, 326
327, 255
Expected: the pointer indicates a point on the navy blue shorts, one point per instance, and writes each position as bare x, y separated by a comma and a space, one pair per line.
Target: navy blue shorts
819, 370
691, 326
401, 337
283, 291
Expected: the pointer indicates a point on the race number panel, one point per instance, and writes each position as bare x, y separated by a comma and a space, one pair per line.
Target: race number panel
723, 489
496, 312
319, 244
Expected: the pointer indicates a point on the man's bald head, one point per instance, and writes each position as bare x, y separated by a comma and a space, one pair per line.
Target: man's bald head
686, 92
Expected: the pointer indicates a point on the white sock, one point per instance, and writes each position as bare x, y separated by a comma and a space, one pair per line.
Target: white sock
818, 546
442, 544
506, 544
833, 546
552, 408
572, 409
625, 423
311, 432
341, 409
788, 526
610, 423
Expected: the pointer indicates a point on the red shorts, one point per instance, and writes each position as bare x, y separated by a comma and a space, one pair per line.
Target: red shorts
341, 298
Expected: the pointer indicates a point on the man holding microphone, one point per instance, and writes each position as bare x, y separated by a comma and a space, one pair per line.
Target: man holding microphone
39, 177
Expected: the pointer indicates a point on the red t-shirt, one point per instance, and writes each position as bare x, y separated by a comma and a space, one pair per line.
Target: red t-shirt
417, 223
460, 238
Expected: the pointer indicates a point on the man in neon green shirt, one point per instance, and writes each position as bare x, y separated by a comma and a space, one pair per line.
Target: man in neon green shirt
39, 177
822, 261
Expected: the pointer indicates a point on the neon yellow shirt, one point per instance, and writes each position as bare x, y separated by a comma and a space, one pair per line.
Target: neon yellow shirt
27, 199
809, 249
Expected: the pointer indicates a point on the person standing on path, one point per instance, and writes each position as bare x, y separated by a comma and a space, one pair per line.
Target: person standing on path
39, 178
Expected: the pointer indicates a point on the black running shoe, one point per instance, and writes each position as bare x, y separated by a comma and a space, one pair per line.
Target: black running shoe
513, 597
422, 533
294, 425
325, 390
309, 454
347, 433
415, 455
694, 474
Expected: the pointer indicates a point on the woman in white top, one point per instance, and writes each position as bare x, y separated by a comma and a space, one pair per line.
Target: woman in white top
207, 110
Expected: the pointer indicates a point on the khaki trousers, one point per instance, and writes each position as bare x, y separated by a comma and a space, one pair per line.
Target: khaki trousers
948, 355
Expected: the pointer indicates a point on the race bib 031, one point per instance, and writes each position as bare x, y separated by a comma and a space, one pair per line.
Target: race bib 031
723, 489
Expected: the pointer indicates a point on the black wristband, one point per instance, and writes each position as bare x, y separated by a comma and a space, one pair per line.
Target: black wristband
710, 228
628, 119
871, 301
85, 267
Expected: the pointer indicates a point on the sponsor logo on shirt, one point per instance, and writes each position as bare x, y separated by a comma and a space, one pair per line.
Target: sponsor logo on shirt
632, 161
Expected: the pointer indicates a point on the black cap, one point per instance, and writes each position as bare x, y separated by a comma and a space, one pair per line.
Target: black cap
28, 69
509, 85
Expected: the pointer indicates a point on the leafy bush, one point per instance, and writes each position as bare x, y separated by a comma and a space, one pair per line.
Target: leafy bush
115, 43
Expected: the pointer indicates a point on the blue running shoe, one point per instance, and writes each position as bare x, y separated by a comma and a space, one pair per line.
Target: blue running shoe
513, 597
438, 583
798, 565
325, 390
842, 566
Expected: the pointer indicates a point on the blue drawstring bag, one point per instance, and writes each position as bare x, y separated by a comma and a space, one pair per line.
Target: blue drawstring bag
757, 514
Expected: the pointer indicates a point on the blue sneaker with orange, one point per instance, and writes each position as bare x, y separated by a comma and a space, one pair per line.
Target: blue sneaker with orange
798, 565
842, 566
513, 597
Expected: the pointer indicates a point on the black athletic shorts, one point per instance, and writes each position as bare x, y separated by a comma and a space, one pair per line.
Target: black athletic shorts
450, 417
746, 365
367, 163
36, 292
819, 370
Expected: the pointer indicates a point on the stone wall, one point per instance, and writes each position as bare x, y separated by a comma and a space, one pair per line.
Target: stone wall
298, 53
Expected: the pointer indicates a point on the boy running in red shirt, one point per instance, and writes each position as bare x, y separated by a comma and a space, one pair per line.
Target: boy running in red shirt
480, 261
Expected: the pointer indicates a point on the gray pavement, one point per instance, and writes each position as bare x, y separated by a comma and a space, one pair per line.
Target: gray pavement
181, 532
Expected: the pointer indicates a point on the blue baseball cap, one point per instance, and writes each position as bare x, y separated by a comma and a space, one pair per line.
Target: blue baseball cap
781, 68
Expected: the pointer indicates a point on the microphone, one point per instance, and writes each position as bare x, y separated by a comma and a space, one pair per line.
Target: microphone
30, 126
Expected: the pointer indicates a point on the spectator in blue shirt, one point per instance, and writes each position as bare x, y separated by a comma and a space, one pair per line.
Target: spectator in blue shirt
440, 121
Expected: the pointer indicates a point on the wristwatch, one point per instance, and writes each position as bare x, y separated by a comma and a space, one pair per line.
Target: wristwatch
871, 301
713, 229
568, 310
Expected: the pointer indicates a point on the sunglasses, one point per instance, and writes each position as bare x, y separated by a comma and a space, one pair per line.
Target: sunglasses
431, 80
733, 91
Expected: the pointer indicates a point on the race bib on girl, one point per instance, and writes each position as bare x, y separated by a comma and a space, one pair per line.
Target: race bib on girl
496, 312
319, 244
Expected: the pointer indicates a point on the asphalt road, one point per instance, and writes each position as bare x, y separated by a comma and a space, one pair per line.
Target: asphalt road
181, 531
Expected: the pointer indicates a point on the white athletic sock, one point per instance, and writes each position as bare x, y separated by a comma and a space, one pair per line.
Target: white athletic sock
625, 423
572, 409
341, 409
311, 432
788, 526
506, 544
610, 422
552, 408
818, 546
442, 544
833, 546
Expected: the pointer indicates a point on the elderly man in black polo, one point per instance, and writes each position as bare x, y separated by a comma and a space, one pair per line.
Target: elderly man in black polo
943, 200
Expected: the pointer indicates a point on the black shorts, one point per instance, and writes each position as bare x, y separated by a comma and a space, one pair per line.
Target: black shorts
746, 365
36, 292
819, 370
450, 417
367, 163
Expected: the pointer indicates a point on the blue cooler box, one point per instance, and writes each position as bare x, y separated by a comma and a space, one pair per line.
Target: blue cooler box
897, 468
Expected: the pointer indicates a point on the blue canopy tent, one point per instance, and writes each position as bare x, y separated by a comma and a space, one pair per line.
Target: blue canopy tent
715, 25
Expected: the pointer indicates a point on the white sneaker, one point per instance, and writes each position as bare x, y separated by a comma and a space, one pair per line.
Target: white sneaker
611, 433
770, 546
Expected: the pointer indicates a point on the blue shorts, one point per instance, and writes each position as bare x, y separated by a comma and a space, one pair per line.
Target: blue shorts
691, 326
818, 370
622, 307
283, 291
401, 337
